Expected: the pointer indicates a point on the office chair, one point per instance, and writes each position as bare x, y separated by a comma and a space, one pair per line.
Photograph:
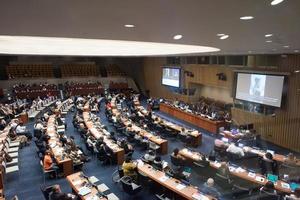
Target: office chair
129, 187
162, 197
46, 190
266, 196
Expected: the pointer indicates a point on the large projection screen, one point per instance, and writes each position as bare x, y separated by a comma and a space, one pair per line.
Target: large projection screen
171, 76
260, 88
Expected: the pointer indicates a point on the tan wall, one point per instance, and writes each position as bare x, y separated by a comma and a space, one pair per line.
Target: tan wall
283, 129
205, 81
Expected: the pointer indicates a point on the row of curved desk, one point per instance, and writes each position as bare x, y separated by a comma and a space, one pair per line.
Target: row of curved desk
118, 152
197, 120
242, 173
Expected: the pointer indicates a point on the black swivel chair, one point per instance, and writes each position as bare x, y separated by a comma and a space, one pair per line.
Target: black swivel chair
129, 187
46, 190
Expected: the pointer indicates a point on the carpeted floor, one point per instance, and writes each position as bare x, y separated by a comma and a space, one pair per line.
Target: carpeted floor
26, 184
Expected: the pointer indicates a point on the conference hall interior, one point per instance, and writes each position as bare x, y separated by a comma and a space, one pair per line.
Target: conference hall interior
145, 100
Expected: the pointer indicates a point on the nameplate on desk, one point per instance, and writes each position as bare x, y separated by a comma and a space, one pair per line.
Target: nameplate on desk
285, 185
251, 174
260, 179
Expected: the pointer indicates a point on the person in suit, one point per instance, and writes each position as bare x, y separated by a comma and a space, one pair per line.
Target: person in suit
268, 188
268, 165
57, 194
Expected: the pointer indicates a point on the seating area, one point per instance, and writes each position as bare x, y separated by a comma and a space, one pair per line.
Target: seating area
144, 100
83, 89
118, 86
33, 91
79, 69
114, 70
29, 70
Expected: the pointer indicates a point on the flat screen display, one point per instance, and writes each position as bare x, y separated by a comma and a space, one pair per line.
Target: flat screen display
260, 88
171, 76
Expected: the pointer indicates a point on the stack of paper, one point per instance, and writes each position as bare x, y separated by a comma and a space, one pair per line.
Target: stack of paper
180, 186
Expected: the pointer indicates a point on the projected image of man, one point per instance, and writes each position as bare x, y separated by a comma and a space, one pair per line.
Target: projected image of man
257, 86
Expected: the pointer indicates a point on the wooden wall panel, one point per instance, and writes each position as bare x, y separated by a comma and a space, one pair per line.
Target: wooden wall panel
282, 129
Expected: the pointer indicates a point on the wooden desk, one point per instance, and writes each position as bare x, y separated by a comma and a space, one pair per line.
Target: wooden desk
239, 172
202, 122
278, 157
162, 143
155, 139
197, 136
119, 153
75, 182
56, 149
170, 183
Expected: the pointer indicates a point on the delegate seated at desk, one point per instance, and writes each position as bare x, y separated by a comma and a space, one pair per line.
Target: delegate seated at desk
209, 188
129, 168
57, 194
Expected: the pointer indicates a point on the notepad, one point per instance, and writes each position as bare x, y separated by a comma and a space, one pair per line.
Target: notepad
180, 186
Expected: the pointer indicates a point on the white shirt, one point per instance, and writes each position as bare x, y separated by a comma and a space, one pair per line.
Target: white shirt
235, 150
38, 126
20, 129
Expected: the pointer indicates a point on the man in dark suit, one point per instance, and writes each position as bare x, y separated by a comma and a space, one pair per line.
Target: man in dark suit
57, 194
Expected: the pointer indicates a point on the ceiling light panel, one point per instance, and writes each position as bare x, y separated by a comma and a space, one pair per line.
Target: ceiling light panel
27, 45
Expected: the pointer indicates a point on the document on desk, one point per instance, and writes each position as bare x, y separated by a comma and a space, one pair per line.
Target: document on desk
94, 197
198, 196
93, 179
180, 186
84, 191
163, 178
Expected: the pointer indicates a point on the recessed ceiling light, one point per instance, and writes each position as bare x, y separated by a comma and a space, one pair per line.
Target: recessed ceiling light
269, 41
296, 51
297, 71
246, 17
269, 35
274, 49
220, 34
286, 46
129, 25
275, 2
29, 45
177, 37
224, 37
